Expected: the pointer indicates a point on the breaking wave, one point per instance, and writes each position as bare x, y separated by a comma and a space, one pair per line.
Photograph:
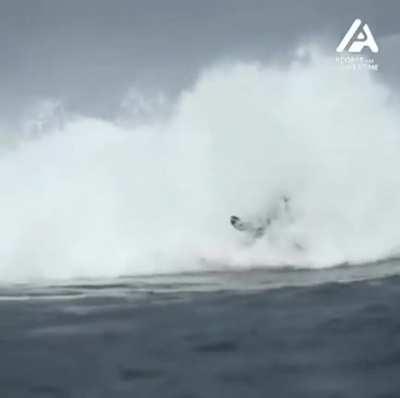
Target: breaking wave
100, 198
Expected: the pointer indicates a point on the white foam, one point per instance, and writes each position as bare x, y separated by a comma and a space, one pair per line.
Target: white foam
96, 199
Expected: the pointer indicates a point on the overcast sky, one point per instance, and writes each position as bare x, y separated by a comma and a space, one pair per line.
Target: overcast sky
88, 53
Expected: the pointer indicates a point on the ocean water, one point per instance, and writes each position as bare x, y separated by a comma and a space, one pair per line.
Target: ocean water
260, 332
122, 276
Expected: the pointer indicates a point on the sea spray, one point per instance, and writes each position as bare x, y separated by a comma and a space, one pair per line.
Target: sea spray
97, 199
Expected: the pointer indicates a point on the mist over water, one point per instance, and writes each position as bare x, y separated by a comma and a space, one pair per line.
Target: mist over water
100, 198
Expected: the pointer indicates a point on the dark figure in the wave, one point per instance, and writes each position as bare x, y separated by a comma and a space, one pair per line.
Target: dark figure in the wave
257, 229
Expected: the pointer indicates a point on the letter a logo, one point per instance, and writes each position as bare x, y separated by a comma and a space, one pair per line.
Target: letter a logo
356, 38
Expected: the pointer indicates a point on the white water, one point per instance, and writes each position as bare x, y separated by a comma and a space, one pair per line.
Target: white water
97, 199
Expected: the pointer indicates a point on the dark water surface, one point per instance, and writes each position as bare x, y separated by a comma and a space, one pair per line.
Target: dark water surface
280, 333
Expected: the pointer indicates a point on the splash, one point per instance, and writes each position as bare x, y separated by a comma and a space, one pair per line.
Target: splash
99, 199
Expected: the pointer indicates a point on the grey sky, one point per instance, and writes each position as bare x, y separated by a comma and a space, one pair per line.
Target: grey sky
89, 52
